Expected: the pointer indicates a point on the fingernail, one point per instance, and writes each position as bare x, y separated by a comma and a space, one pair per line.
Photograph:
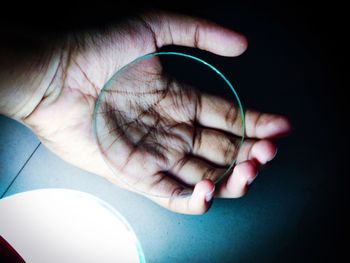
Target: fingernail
272, 157
209, 195
275, 154
251, 180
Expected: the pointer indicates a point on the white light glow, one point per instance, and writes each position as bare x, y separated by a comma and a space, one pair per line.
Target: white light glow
59, 225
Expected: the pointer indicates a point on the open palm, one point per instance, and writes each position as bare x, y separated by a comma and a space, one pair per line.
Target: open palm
165, 138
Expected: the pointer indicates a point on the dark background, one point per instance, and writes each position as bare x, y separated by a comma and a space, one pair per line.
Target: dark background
294, 66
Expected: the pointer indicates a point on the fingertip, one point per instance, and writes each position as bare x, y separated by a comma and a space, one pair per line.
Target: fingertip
283, 125
242, 44
204, 189
223, 41
278, 126
286, 125
202, 196
263, 151
237, 184
236, 44
246, 171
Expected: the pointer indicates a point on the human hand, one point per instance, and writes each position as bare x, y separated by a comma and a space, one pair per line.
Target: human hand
161, 139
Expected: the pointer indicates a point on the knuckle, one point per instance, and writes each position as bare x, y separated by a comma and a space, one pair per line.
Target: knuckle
229, 151
231, 116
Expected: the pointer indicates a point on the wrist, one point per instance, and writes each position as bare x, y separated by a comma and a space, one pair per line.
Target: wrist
25, 79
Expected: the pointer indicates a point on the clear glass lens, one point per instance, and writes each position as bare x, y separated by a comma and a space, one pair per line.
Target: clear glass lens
145, 119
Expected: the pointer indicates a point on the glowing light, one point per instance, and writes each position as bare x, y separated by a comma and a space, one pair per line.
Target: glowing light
59, 225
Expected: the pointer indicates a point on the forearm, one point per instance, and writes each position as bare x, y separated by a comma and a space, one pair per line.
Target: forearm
26, 75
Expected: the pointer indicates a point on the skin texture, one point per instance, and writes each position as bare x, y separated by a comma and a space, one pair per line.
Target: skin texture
160, 134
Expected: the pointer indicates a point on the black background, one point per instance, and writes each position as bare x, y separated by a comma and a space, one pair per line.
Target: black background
295, 65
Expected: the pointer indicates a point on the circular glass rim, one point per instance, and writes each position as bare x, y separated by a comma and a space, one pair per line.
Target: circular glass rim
218, 72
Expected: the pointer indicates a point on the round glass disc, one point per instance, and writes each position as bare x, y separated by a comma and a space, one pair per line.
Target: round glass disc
149, 121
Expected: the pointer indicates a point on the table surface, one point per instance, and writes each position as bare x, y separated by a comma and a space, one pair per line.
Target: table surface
230, 230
